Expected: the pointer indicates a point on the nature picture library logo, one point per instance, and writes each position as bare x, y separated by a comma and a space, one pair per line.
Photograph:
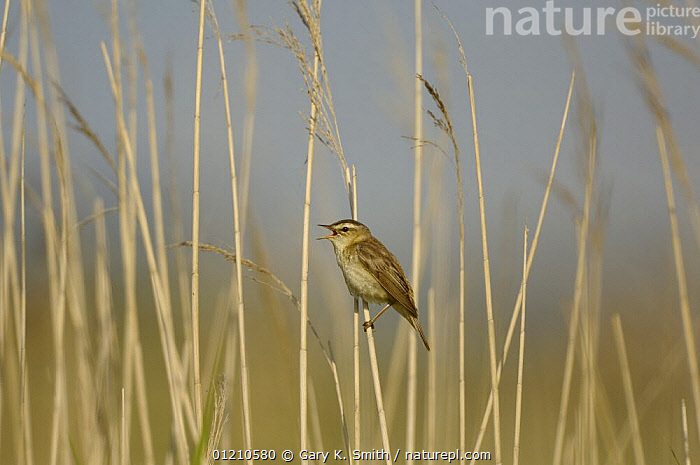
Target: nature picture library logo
657, 20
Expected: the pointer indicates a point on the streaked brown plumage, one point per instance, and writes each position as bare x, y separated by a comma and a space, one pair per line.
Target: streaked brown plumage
371, 272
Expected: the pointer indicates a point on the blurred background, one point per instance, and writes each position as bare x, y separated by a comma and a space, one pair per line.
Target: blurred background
520, 85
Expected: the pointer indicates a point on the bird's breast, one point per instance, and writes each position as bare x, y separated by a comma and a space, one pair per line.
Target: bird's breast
360, 282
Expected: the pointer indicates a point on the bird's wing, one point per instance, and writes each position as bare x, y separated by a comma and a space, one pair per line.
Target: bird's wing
385, 268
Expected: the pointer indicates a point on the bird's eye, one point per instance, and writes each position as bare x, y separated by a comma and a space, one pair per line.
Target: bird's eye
345, 229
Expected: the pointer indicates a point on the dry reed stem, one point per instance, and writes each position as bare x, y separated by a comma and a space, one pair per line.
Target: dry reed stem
8, 180
397, 370
56, 260
123, 435
127, 242
412, 382
160, 239
374, 365
445, 125
237, 242
581, 265
680, 274
684, 426
173, 368
195, 224
531, 256
654, 97
24, 423
432, 373
356, 337
107, 335
629, 392
462, 251
10, 299
317, 441
174, 200
127, 224
521, 358
304, 294
250, 78
336, 381
487, 279
155, 178
3, 31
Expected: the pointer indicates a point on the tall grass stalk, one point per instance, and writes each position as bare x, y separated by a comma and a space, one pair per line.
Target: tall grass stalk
684, 427
462, 267
443, 122
589, 130
411, 394
107, 334
26, 454
57, 256
680, 273
671, 159
132, 367
521, 358
629, 392
195, 223
127, 239
237, 242
3, 30
303, 361
176, 381
487, 279
357, 438
530, 259
374, 365
432, 373
158, 221
250, 78
336, 380
159, 242
9, 178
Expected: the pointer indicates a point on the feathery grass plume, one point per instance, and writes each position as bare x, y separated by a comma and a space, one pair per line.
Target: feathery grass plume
318, 89
219, 418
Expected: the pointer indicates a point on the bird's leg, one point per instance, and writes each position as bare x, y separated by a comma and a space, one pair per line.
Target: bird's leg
370, 323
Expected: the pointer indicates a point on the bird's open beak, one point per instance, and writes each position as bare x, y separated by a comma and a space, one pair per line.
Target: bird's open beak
329, 228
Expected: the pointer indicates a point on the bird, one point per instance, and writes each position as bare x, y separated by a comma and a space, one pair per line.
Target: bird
371, 272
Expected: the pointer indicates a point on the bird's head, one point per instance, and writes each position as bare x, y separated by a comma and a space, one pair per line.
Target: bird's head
344, 232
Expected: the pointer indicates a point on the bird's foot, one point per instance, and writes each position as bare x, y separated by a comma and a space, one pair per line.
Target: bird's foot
367, 325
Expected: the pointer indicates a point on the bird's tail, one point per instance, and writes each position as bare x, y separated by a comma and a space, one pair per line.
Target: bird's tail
416, 324
411, 317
